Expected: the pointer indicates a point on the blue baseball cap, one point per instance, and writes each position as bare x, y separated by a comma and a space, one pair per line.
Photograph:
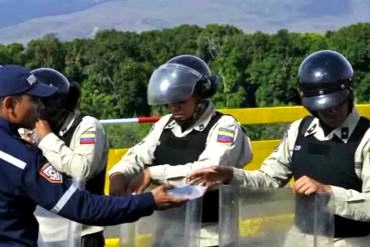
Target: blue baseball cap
16, 79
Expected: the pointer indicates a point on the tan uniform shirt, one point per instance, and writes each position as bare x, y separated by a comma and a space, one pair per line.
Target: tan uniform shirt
236, 152
276, 170
84, 158
87, 153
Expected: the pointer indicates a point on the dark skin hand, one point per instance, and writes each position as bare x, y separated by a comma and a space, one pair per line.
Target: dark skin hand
222, 174
308, 186
211, 175
118, 185
139, 183
163, 200
42, 129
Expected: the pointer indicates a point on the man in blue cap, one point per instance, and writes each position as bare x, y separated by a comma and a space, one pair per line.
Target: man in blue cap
28, 180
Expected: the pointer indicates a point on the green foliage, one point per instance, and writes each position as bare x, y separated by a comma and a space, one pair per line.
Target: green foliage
265, 131
258, 69
129, 88
46, 52
126, 135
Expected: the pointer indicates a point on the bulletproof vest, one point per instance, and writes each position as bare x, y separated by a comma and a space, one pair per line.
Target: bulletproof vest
174, 150
330, 162
96, 183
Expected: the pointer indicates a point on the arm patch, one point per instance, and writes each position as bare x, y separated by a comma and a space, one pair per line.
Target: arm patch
48, 172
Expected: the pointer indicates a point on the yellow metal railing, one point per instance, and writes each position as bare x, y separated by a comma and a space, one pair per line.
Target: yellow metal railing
246, 116
251, 116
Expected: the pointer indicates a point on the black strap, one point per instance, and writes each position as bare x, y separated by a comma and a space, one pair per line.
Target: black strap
303, 126
67, 137
360, 130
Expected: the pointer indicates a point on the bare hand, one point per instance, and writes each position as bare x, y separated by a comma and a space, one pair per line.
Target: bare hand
118, 185
139, 183
211, 175
42, 128
164, 200
307, 186
26, 135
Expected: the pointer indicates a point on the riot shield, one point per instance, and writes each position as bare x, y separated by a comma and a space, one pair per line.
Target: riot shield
168, 228
274, 218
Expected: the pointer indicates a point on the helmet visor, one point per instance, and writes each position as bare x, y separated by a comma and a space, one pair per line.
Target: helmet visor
325, 102
172, 83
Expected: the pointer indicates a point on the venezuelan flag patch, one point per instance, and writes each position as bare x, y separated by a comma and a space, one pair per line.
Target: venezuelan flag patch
225, 135
88, 137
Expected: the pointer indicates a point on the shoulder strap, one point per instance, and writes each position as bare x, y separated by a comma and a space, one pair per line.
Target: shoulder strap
360, 130
67, 137
303, 126
215, 118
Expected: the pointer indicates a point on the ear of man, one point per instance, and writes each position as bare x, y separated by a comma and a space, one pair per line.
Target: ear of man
8, 104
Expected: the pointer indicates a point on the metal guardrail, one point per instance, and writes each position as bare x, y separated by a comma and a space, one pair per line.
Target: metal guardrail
250, 116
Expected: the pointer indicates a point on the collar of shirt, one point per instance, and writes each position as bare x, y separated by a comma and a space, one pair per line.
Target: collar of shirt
343, 132
199, 125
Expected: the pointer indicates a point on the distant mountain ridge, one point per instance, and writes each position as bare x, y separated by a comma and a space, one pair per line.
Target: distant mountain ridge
82, 18
13, 12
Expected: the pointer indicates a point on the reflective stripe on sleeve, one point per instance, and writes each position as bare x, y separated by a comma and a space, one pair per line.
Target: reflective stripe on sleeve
64, 199
12, 160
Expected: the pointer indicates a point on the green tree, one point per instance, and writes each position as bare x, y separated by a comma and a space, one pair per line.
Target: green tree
46, 52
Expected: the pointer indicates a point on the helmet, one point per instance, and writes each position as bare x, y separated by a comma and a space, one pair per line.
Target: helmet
57, 107
180, 78
325, 80
68, 91
52, 77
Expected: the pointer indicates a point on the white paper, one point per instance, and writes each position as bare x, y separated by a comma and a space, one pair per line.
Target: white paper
189, 192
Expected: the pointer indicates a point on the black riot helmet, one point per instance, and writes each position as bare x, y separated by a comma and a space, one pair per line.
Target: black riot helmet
325, 80
180, 78
57, 107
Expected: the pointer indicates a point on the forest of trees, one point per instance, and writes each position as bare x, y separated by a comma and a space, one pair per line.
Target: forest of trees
258, 69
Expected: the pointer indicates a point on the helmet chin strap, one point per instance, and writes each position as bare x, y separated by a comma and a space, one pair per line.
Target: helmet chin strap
201, 107
199, 110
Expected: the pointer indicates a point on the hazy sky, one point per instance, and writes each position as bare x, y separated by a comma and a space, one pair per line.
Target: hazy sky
22, 20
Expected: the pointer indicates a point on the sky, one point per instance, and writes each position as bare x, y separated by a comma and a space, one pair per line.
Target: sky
23, 20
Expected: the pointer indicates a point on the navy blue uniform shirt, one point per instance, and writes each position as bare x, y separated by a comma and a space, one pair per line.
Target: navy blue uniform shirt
27, 181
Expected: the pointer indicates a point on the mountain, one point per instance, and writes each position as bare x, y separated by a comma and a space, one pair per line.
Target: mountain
140, 15
16, 11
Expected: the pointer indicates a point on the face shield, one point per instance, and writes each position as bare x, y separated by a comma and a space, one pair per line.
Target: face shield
325, 102
172, 83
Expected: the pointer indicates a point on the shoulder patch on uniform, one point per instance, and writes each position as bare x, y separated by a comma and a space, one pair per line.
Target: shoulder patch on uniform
48, 172
88, 137
225, 135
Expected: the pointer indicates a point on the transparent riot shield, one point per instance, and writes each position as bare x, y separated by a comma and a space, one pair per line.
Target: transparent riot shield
168, 228
229, 216
56, 231
127, 234
274, 218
